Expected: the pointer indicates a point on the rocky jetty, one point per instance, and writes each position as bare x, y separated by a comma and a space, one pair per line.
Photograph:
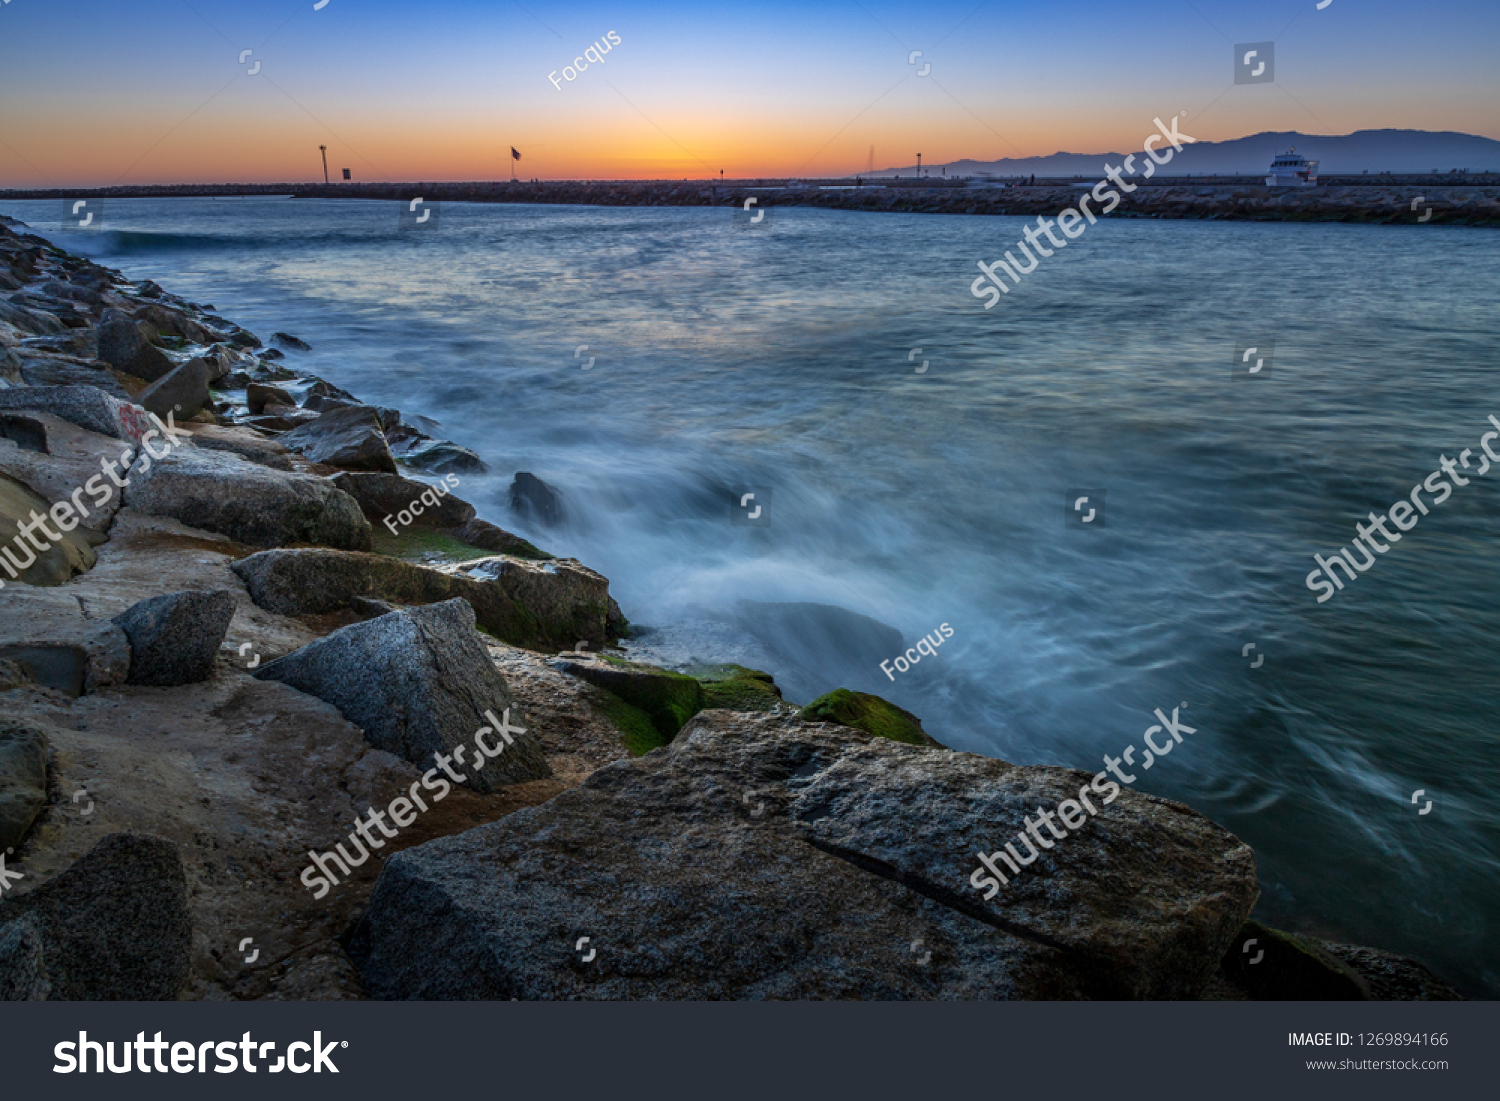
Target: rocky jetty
410, 759
1381, 199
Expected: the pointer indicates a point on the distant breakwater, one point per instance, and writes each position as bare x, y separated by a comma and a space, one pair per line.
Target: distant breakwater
1387, 201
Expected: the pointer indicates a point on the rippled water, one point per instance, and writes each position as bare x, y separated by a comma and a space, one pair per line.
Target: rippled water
780, 361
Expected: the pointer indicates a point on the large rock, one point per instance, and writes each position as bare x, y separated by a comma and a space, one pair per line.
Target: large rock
64, 370
115, 926
841, 863
86, 406
535, 499
23, 971
174, 638
182, 391
175, 323
20, 560
349, 438
541, 605
221, 492
245, 442
125, 347
418, 682
442, 457
259, 394
23, 779
384, 496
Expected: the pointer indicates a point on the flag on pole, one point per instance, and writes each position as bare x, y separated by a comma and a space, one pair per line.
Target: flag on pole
514, 155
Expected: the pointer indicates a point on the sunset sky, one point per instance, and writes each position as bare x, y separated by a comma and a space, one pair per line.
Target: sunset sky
97, 92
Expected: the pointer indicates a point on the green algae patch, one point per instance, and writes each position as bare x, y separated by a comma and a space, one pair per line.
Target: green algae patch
869, 713
424, 547
637, 732
736, 688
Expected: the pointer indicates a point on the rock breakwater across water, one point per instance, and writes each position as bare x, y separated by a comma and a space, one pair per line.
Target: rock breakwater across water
1407, 200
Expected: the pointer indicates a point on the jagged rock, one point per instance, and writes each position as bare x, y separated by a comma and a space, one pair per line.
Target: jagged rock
115, 926
535, 499
123, 346
221, 492
318, 403
174, 638
547, 606
667, 699
281, 418
76, 292
291, 342
51, 370
323, 388
182, 391
86, 406
418, 682
29, 321
175, 323
258, 394
348, 438
871, 714
842, 864
247, 444
443, 457
23, 972
20, 559
386, 495
23, 779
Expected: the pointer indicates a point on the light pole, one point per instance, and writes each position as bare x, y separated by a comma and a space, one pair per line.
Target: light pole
324, 150
919, 166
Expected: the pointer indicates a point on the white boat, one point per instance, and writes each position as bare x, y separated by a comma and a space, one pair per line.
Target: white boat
1291, 169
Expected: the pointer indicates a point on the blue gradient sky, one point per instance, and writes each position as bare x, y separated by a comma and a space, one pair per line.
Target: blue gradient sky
142, 91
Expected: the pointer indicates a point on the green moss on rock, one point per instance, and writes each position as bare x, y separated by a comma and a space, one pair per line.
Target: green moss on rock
424, 546
869, 713
639, 734
736, 688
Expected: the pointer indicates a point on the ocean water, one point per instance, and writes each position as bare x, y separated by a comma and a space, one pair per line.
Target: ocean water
780, 360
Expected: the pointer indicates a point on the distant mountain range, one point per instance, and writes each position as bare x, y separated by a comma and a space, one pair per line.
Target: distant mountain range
1401, 151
